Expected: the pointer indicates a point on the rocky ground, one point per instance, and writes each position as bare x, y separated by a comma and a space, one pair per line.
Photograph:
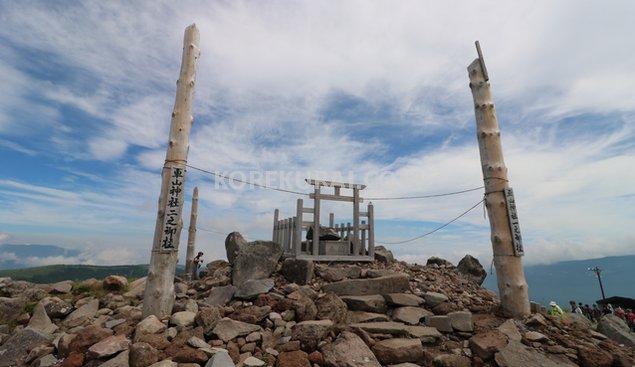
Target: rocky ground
262, 310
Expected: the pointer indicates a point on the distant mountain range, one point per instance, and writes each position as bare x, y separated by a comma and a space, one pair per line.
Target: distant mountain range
572, 280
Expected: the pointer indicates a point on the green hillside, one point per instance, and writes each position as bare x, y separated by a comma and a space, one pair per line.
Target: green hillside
56, 273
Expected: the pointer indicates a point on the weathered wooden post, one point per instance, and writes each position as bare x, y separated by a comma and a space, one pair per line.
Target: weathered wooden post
191, 236
158, 298
499, 199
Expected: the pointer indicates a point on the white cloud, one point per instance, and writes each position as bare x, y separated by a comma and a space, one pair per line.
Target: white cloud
268, 80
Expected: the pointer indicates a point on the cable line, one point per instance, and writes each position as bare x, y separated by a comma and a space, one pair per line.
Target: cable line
246, 182
434, 230
427, 196
306, 194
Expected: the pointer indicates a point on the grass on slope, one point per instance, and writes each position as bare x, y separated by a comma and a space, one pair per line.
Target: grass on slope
57, 273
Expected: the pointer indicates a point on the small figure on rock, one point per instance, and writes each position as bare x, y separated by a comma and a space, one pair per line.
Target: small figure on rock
556, 311
196, 264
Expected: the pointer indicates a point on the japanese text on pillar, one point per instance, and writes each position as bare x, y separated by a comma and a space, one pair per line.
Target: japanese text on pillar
517, 240
173, 209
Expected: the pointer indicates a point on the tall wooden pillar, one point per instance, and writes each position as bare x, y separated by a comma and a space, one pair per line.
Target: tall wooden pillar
158, 297
512, 285
191, 236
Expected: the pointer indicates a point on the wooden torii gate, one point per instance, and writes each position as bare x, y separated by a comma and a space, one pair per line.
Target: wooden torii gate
357, 241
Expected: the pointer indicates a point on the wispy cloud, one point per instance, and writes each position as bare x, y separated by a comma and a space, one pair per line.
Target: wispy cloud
368, 90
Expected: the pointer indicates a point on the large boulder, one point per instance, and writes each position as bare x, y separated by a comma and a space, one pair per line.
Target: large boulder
348, 350
358, 287
233, 244
310, 333
617, 330
331, 307
398, 350
471, 268
11, 308
56, 308
437, 261
256, 260
299, 271
516, 354
19, 344
383, 255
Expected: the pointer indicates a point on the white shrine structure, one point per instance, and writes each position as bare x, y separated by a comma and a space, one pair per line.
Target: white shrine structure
337, 242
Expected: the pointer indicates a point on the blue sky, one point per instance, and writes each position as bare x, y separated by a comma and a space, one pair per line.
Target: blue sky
369, 90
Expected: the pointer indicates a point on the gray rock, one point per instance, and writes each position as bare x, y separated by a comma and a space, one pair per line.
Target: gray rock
472, 269
536, 320
256, 260
11, 308
41, 321
251, 288
227, 329
461, 321
359, 287
410, 315
136, 288
348, 350
534, 336
439, 262
309, 333
299, 271
427, 334
197, 342
370, 303
433, 298
89, 310
403, 299
115, 322
451, 360
182, 319
485, 345
253, 362
331, 307
149, 325
354, 317
331, 274
62, 287
19, 343
233, 244
442, 323
220, 360
617, 330
143, 355
384, 255
108, 347
510, 330
398, 350
221, 295
517, 355
121, 360
56, 308
48, 360
165, 363
207, 318
389, 327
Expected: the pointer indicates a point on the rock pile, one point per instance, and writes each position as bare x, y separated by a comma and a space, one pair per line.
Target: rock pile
262, 310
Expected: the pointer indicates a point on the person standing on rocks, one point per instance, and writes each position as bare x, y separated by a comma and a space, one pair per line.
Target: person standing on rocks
556, 311
196, 265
